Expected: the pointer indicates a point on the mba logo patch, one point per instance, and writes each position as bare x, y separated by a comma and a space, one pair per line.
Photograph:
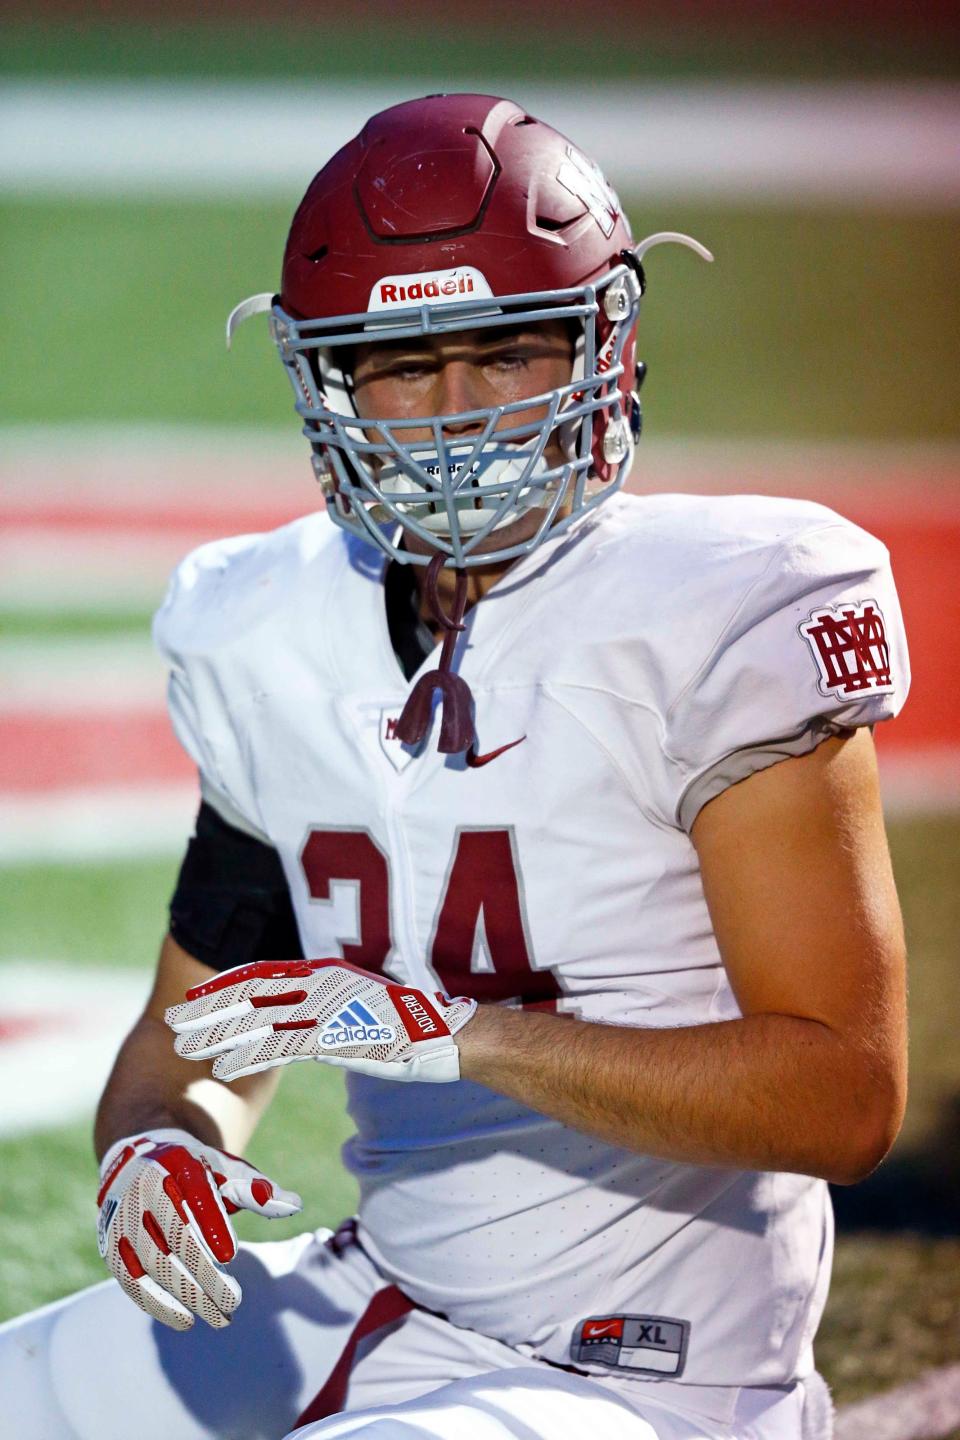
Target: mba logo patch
849, 645
651, 1344
355, 1025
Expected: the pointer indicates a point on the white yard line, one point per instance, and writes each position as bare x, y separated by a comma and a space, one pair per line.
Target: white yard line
107, 571
60, 1028
96, 824
80, 676
858, 141
117, 823
923, 1409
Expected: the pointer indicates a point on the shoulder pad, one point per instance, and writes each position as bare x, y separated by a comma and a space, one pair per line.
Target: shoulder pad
223, 590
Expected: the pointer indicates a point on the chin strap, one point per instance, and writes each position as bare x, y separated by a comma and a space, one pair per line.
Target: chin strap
456, 726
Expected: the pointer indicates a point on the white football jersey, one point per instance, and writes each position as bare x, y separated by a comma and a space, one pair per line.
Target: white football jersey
623, 674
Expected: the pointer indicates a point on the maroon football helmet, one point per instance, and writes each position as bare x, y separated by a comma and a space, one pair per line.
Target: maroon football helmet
450, 214
454, 213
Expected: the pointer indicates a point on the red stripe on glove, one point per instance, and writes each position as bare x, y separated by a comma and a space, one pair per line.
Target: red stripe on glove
258, 970
130, 1258
152, 1226
125, 1154
292, 997
262, 1191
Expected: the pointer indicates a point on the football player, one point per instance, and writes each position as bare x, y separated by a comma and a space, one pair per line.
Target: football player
556, 803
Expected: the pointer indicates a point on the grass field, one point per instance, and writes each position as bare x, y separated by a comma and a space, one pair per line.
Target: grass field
895, 1304
478, 42
813, 323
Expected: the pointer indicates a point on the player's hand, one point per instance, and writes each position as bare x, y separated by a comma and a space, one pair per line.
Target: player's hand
164, 1230
274, 1012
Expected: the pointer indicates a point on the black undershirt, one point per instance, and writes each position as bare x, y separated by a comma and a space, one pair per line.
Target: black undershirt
410, 635
231, 904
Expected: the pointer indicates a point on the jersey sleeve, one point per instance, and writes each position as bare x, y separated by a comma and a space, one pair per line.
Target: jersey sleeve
201, 707
815, 647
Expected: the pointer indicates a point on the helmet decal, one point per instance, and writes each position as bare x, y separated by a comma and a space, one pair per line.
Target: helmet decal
437, 287
586, 181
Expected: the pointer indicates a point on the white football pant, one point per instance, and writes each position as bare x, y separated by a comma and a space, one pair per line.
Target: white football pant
95, 1367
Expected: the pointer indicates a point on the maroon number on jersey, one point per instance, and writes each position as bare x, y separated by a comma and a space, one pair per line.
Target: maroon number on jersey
481, 908
353, 857
484, 890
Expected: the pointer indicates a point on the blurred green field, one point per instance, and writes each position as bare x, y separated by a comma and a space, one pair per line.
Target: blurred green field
895, 1304
814, 322
454, 47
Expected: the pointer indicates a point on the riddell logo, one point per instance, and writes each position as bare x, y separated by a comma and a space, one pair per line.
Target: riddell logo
418, 1013
437, 287
454, 470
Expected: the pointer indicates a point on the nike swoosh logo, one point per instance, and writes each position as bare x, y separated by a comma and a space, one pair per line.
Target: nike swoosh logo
594, 1330
475, 761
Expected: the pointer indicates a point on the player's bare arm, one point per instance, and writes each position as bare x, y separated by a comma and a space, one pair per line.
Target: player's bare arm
170, 1179
813, 1077
151, 1087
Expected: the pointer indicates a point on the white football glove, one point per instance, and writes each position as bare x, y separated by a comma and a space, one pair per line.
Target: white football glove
274, 1012
164, 1229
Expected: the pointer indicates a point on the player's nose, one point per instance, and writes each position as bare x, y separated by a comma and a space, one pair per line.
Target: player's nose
458, 394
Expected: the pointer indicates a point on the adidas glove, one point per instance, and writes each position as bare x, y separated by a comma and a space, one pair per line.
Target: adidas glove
164, 1230
274, 1012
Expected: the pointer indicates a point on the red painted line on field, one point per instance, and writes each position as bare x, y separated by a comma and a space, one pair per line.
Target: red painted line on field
195, 522
926, 565
14, 1028
924, 492
41, 752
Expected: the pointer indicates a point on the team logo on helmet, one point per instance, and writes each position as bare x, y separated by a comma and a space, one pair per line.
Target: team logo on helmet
590, 186
435, 287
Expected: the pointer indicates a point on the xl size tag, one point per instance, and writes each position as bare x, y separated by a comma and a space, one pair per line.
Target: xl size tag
656, 1344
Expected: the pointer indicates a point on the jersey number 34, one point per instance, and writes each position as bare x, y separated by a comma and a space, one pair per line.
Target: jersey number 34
480, 945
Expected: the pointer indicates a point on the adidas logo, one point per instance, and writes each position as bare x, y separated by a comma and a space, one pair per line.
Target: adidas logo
355, 1026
